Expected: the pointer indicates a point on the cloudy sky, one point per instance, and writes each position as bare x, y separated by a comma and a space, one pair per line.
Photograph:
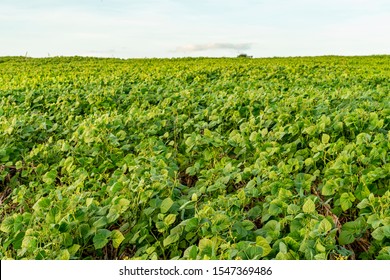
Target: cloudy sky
176, 28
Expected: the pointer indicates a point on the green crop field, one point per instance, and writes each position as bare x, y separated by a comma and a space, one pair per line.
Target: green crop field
195, 158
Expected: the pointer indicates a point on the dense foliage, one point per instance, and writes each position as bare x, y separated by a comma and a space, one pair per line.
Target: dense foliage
282, 158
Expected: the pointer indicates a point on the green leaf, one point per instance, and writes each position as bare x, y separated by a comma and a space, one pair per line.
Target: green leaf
73, 249
7, 225
283, 248
29, 243
19, 164
166, 204
329, 188
309, 162
172, 238
50, 177
303, 181
384, 253
101, 222
386, 230
42, 204
253, 253
170, 219
263, 243
205, 246
374, 220
68, 164
325, 138
64, 255
293, 209
309, 206
117, 238
361, 192
379, 233
324, 226
161, 226
191, 252
352, 229
89, 201
248, 225
124, 204
101, 238
345, 201
85, 230
363, 204
346, 237
192, 224
320, 248
253, 136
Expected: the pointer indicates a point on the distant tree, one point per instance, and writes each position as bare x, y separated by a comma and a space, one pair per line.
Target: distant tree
244, 55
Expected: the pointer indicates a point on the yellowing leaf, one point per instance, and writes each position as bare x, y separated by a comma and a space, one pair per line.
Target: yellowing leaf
166, 204
309, 206
325, 138
117, 238
324, 226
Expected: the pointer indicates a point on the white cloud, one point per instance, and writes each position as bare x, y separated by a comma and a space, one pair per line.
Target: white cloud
214, 46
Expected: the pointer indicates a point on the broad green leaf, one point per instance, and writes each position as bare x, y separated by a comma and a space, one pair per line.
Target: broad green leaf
386, 231
329, 188
124, 204
309, 162
29, 243
101, 222
320, 248
363, 204
384, 253
321, 256
162, 226
374, 220
172, 238
192, 224
64, 255
263, 243
345, 201
206, 246
271, 229
324, 226
50, 177
274, 209
346, 237
253, 136
68, 164
379, 233
293, 209
170, 219
325, 138
166, 204
89, 201
19, 165
73, 249
101, 238
42, 204
283, 248
191, 252
7, 225
85, 230
248, 225
309, 206
253, 253
117, 238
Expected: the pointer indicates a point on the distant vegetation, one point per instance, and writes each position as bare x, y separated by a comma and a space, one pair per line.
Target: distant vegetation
243, 55
284, 158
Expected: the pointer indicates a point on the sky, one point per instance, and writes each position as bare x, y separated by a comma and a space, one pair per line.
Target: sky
191, 28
